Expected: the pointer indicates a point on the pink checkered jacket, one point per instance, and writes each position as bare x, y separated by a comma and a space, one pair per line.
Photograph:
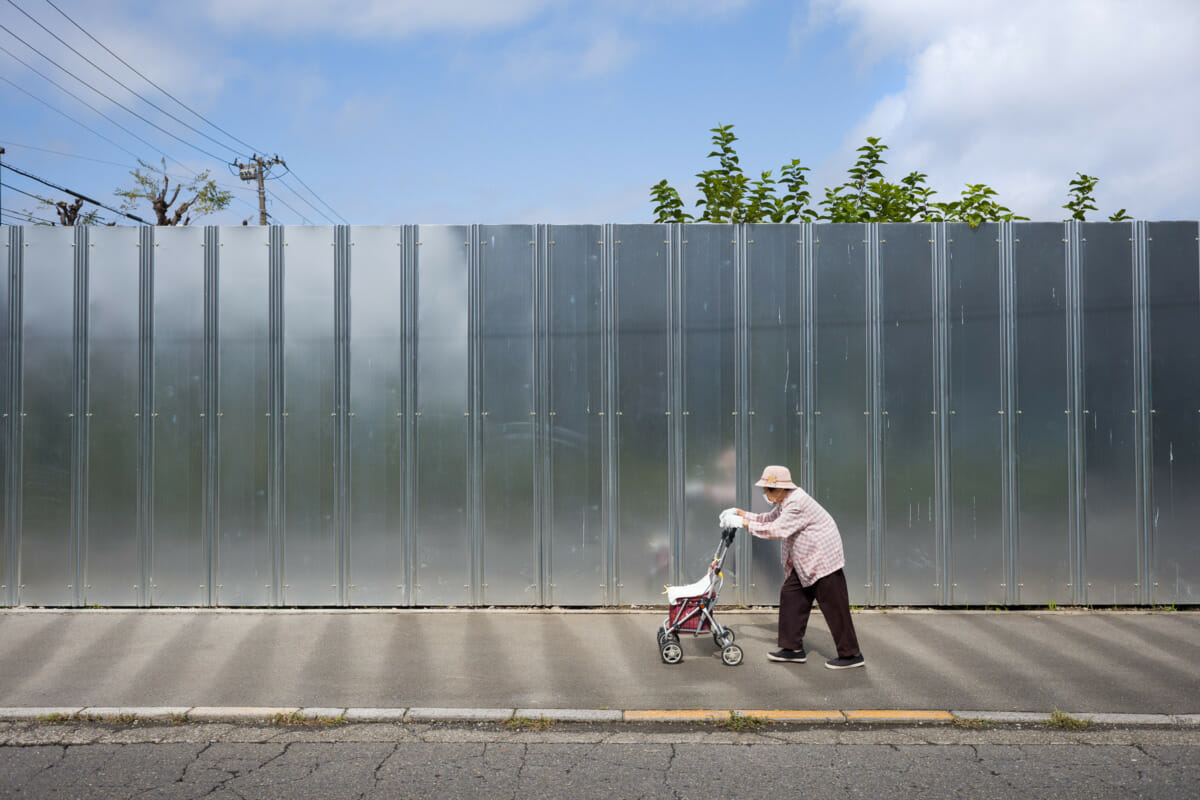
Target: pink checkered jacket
812, 545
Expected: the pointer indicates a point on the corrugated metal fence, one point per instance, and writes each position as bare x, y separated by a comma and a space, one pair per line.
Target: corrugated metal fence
554, 415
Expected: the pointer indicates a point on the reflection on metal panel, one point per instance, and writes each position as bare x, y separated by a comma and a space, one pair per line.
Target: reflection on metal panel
179, 567
909, 547
113, 553
244, 574
643, 308
1044, 551
840, 424
310, 566
1109, 380
578, 554
709, 377
442, 538
48, 549
977, 413
377, 399
1174, 301
778, 355
510, 522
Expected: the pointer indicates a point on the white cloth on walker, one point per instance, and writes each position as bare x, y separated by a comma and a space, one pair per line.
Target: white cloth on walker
675, 593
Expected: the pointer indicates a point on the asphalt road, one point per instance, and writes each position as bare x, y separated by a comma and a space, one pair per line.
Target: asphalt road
386, 761
1076, 661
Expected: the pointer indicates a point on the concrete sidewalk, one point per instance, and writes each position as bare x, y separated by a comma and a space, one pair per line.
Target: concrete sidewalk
1130, 662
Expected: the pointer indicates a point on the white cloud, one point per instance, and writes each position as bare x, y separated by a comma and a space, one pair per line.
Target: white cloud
1023, 94
375, 18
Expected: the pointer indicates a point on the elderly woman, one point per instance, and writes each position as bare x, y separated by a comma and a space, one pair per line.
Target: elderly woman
812, 566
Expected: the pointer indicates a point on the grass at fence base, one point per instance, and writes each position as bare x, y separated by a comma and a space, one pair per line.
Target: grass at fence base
1058, 719
741, 723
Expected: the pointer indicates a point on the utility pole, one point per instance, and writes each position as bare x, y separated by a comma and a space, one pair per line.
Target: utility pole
256, 169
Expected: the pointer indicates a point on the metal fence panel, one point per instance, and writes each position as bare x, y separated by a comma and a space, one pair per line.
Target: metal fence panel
709, 344
536, 414
7, 512
1108, 321
377, 392
114, 569
778, 356
510, 520
442, 538
310, 409
641, 260
1043, 559
49, 557
910, 559
179, 563
1174, 299
840, 420
244, 566
977, 411
578, 544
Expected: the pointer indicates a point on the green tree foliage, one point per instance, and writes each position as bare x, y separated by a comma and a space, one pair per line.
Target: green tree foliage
152, 185
728, 195
1080, 199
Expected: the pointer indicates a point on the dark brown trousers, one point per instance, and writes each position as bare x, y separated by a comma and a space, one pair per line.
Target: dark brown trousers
795, 604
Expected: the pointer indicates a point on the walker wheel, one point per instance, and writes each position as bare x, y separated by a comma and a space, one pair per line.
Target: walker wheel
724, 640
731, 654
671, 652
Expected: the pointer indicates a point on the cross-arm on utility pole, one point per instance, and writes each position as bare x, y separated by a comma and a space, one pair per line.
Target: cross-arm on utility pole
256, 169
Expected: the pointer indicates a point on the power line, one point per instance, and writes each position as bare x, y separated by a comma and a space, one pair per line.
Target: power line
67, 91
22, 191
66, 155
68, 116
27, 216
152, 83
292, 172
74, 194
121, 83
110, 99
283, 182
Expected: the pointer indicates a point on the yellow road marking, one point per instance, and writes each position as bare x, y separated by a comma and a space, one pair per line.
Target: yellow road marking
897, 714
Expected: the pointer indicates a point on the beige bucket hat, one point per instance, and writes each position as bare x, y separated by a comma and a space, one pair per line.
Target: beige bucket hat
776, 477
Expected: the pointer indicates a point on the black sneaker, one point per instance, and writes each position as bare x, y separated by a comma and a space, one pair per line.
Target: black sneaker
790, 656
846, 663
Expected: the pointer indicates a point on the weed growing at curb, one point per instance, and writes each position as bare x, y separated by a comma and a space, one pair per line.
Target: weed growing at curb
741, 723
122, 719
1065, 721
525, 723
973, 723
297, 720
58, 719
179, 718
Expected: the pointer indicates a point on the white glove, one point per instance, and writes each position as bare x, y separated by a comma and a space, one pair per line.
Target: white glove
731, 519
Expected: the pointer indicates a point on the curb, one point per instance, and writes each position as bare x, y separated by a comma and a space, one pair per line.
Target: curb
299, 714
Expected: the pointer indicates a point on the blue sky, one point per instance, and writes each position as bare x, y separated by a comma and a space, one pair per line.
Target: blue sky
561, 111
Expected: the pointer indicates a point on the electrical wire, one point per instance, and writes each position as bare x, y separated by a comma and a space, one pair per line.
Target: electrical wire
83, 197
110, 99
62, 88
288, 205
194, 113
28, 217
121, 83
68, 116
292, 172
110, 119
65, 155
283, 182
